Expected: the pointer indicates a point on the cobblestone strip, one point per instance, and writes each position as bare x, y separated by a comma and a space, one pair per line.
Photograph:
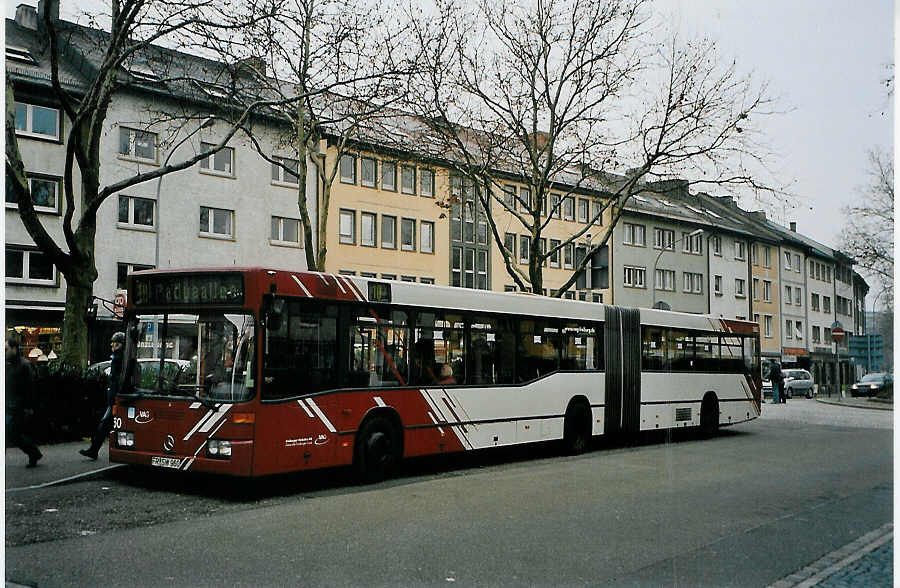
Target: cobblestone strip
838, 559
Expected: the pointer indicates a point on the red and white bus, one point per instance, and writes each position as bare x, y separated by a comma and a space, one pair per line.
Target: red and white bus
279, 371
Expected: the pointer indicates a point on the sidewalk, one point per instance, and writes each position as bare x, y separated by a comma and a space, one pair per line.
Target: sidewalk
60, 462
872, 403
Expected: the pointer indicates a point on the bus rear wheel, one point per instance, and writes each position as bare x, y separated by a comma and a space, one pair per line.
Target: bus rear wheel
577, 428
377, 449
709, 416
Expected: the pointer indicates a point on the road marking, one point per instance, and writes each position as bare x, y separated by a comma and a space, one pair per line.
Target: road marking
64, 480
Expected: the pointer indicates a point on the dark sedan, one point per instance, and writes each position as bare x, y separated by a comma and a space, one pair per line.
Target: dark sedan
872, 385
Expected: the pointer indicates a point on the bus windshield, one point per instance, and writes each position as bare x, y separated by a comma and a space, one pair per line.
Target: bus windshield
207, 356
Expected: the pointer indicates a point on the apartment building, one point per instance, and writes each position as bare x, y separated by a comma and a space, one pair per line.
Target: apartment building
793, 308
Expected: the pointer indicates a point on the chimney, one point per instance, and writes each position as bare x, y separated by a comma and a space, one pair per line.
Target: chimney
793, 226
252, 66
50, 7
26, 16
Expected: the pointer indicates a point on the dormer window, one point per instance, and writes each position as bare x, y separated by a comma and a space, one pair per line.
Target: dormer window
20, 54
215, 91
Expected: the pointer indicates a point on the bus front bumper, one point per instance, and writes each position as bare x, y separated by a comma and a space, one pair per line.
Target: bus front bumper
238, 464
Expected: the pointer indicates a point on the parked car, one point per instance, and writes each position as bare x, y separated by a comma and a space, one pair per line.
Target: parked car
872, 384
149, 369
798, 382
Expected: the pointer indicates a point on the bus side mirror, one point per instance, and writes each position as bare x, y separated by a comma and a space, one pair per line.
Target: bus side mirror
274, 313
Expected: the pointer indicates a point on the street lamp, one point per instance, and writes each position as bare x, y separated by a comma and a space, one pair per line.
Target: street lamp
207, 122
663, 305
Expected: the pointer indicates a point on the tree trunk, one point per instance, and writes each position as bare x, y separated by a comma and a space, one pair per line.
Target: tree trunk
75, 332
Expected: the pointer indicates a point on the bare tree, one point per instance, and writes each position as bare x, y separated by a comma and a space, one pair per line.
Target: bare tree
136, 28
564, 96
868, 234
345, 58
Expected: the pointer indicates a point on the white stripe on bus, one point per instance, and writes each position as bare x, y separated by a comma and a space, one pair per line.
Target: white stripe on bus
219, 414
302, 287
199, 424
321, 415
379, 401
311, 415
352, 288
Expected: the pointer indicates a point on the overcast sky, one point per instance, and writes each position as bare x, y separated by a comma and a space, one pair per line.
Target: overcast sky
826, 62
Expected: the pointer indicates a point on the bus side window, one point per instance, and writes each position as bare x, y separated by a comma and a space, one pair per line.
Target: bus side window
302, 352
653, 349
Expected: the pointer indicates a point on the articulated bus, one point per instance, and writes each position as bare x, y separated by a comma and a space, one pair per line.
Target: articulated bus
266, 371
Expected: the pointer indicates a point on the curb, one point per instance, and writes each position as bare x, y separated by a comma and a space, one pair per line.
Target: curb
81, 476
873, 406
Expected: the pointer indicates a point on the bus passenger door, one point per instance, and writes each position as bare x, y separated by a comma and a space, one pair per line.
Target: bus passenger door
623, 370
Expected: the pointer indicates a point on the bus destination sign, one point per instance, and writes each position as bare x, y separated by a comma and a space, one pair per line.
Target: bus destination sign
188, 289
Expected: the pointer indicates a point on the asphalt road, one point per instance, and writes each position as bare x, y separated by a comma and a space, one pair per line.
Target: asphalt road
745, 509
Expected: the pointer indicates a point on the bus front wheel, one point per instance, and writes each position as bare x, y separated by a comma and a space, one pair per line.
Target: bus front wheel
377, 449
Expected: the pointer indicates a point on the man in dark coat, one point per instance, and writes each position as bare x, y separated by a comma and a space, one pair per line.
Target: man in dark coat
777, 379
19, 399
115, 371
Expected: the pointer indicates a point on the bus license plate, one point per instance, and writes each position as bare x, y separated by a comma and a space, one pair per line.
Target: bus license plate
166, 462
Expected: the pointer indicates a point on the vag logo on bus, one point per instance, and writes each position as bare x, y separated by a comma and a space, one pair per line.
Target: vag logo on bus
321, 440
169, 443
143, 417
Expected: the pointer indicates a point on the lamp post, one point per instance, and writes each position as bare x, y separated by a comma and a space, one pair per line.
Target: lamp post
690, 235
207, 122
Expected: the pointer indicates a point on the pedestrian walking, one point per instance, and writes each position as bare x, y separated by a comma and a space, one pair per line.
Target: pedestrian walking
19, 401
115, 370
777, 379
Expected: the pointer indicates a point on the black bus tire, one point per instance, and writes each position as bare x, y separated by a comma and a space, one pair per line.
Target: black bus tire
577, 428
377, 449
709, 416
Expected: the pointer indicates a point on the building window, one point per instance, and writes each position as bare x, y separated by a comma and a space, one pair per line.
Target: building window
767, 256
693, 282
426, 183
555, 205
348, 168
692, 243
756, 288
282, 176
136, 213
509, 243
524, 249
584, 210
29, 266
569, 208
664, 239
285, 231
826, 304
768, 326
407, 179
788, 299
787, 261
368, 275
426, 228
812, 268
525, 202
45, 192
767, 291
596, 212
426, 280
509, 196
665, 279
37, 121
717, 285
408, 234
788, 329
816, 335
740, 250
136, 144
347, 226
481, 269
367, 230
569, 256
216, 222
754, 254
798, 296
554, 256
346, 272
715, 243
635, 235
635, 277
797, 262
798, 330
367, 169
389, 176
456, 267
411, 279
388, 231
122, 271
828, 274
814, 301
739, 288
219, 163
388, 276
